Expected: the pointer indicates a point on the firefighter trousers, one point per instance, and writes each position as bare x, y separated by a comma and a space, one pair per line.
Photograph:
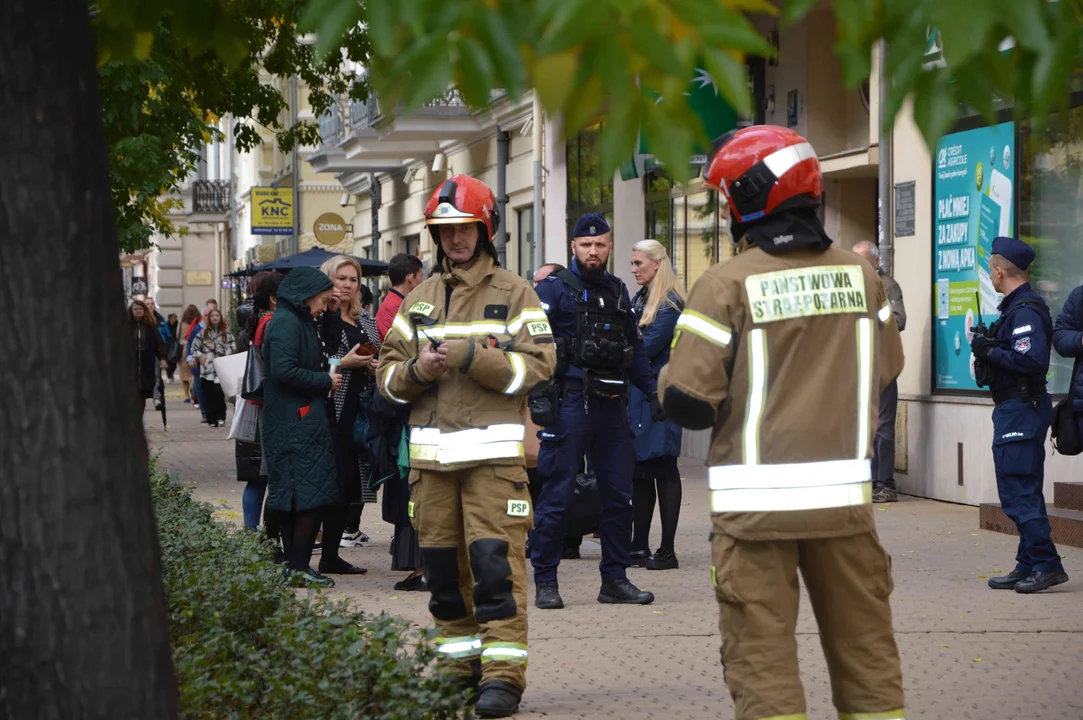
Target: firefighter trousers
472, 525
849, 582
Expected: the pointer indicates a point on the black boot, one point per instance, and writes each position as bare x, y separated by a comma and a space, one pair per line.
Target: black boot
639, 558
547, 596
469, 683
1042, 580
1009, 581
623, 592
663, 560
498, 699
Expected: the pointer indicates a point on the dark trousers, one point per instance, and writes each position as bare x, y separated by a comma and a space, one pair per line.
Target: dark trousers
1019, 430
883, 461
600, 431
214, 401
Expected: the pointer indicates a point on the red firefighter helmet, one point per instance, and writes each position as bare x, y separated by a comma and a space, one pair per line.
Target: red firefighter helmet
763, 169
462, 199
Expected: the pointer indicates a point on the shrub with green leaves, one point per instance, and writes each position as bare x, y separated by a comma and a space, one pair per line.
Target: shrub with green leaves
248, 646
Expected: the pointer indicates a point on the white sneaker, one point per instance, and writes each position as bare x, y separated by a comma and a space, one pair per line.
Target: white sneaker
357, 539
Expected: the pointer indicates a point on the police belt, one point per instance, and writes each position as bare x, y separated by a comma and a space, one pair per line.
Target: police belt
1023, 389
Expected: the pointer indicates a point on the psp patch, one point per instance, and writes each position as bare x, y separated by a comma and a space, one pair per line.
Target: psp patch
1022, 345
422, 308
540, 327
518, 508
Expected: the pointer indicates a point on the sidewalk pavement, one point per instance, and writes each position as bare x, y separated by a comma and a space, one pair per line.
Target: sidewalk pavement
968, 652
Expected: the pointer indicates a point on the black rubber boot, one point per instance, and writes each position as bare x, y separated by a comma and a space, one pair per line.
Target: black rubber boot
547, 596
498, 699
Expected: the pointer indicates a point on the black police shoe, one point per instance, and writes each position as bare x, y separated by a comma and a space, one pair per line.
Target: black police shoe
498, 699
1041, 581
547, 596
663, 560
639, 558
623, 592
1009, 581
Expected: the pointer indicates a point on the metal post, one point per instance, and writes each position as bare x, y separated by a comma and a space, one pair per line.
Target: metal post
538, 216
886, 241
294, 159
503, 141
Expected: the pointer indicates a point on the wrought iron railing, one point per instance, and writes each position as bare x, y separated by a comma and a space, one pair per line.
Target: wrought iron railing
210, 196
335, 123
364, 113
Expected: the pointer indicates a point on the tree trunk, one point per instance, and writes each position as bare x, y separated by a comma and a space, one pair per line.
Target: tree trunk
83, 626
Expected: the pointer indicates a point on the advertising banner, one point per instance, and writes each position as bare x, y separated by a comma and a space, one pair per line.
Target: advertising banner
272, 211
973, 203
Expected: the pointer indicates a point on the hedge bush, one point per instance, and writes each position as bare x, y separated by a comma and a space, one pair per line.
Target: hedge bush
248, 646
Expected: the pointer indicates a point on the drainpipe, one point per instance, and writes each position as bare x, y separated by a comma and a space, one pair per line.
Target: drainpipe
886, 239
375, 193
503, 142
537, 214
294, 159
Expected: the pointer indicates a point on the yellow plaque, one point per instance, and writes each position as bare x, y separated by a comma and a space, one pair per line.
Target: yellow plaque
199, 277
329, 229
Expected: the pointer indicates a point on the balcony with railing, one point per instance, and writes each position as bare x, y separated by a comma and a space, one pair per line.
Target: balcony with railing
210, 196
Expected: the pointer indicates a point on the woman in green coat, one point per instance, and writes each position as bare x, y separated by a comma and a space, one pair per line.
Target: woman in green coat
296, 426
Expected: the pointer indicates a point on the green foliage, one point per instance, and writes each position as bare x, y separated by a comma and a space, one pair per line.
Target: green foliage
169, 69
246, 646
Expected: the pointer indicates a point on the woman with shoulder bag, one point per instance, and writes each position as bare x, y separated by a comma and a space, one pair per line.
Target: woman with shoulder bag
657, 305
214, 341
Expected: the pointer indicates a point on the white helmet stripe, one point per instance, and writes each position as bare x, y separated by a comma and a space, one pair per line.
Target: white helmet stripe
781, 161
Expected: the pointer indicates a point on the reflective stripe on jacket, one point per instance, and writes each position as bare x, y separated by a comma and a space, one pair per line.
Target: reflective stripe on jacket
792, 350
473, 413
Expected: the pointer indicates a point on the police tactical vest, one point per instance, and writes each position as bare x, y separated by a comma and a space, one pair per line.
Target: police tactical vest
601, 319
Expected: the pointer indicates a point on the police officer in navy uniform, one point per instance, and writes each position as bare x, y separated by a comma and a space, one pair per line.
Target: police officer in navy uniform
1012, 358
599, 352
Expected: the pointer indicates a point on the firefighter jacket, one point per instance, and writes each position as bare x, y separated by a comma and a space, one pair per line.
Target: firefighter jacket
473, 414
786, 354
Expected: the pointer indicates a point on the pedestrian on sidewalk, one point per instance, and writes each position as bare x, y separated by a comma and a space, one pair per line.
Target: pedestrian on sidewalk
1012, 358
302, 480
1068, 341
215, 341
148, 347
355, 350
173, 346
188, 321
404, 271
657, 306
197, 388
783, 351
465, 349
883, 460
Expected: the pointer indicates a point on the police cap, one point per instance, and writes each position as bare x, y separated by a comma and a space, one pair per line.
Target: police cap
1016, 252
591, 225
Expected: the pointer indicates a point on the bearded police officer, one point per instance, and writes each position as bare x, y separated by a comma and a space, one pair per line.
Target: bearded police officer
783, 351
598, 353
464, 349
1013, 359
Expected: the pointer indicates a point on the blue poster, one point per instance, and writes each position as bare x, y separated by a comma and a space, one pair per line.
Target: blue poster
973, 202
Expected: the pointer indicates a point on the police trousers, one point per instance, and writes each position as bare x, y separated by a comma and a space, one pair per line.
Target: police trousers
472, 525
1019, 430
849, 582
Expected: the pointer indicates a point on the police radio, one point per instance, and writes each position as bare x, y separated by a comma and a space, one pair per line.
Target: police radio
982, 371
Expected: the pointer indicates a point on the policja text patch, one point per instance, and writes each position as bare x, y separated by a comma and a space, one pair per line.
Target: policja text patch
805, 292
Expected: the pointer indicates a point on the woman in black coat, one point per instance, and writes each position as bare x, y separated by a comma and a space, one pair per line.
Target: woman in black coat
148, 348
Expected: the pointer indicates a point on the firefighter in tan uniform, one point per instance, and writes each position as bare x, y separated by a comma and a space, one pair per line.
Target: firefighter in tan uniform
783, 352
465, 349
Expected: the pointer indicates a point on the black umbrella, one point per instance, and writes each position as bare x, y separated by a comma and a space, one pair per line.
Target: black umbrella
315, 257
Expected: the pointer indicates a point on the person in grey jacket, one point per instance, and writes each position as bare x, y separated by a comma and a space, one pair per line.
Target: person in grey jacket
883, 462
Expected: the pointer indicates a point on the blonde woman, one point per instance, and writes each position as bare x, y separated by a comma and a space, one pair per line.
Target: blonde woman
657, 306
347, 339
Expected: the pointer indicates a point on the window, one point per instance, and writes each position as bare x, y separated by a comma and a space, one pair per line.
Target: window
526, 242
588, 190
412, 244
1050, 200
687, 222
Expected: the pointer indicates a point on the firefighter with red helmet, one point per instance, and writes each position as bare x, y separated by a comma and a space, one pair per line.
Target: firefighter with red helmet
464, 350
805, 340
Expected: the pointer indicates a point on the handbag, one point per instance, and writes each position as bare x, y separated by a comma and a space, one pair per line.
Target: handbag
1065, 428
252, 383
585, 512
245, 426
